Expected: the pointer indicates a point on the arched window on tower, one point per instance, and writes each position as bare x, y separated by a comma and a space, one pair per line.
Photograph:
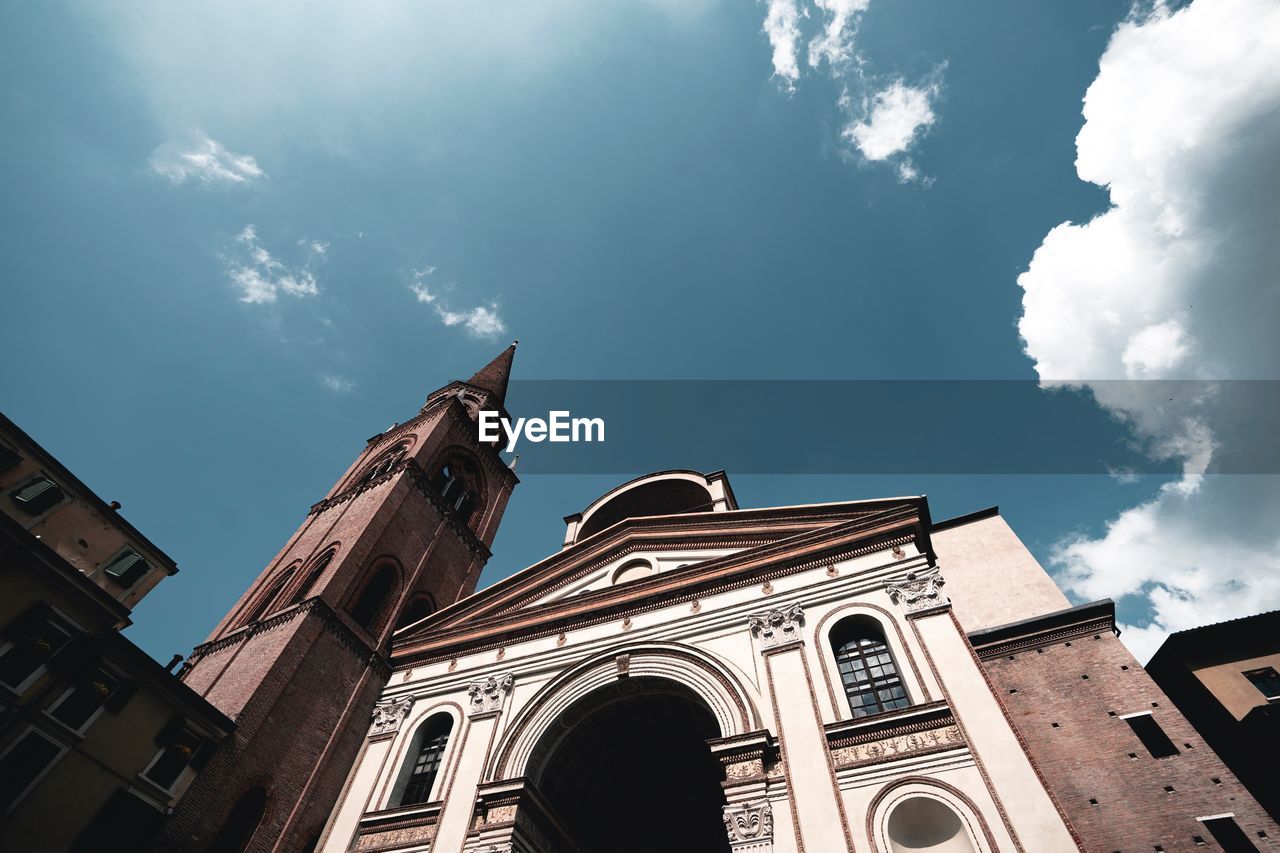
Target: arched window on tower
386, 462
871, 678
372, 601
269, 602
419, 608
313, 575
241, 823
459, 484
422, 762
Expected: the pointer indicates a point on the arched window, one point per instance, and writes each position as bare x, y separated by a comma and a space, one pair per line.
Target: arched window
267, 603
386, 462
633, 571
422, 765
925, 824
241, 823
374, 597
418, 609
459, 484
312, 576
870, 676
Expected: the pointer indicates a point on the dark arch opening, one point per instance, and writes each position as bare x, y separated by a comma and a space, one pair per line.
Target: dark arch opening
458, 481
661, 497
870, 676
634, 754
312, 576
242, 823
423, 761
373, 599
418, 609
267, 603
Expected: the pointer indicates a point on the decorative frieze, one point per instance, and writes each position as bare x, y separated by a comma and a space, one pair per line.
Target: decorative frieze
750, 827
487, 693
919, 591
778, 626
918, 730
387, 716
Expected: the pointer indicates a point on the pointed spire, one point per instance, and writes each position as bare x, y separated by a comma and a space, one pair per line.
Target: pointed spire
493, 377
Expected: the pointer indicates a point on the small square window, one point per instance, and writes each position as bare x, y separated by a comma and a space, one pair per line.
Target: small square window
83, 701
127, 569
1151, 735
1267, 680
38, 496
37, 636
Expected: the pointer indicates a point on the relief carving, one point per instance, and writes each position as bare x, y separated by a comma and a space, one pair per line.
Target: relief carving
777, 626
920, 590
487, 693
749, 825
387, 716
889, 748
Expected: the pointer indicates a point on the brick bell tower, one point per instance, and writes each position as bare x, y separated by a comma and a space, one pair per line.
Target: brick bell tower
300, 660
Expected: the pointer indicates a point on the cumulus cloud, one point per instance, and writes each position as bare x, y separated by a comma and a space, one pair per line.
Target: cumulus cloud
1177, 279
782, 26
896, 116
834, 45
261, 277
204, 161
482, 321
338, 384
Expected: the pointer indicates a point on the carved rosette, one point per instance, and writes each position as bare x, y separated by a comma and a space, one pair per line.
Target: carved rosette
387, 716
750, 827
487, 693
778, 626
919, 591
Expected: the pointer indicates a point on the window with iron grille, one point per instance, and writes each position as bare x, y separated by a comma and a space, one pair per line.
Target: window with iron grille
868, 671
434, 736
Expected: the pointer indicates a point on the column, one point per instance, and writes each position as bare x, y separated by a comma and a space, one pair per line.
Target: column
486, 698
368, 771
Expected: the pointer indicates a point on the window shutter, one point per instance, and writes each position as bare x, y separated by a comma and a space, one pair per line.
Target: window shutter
29, 622
38, 495
120, 696
78, 659
127, 569
171, 733
202, 755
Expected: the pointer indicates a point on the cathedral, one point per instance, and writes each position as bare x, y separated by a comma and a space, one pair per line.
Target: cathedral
684, 674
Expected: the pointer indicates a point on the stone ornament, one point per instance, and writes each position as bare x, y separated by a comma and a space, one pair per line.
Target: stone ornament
486, 694
919, 591
387, 716
749, 824
777, 626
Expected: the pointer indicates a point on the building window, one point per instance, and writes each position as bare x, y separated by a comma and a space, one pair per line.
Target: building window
458, 483
8, 456
918, 824
633, 571
23, 765
420, 608
267, 604
1267, 680
385, 463
34, 638
180, 748
1152, 736
867, 668
243, 821
373, 598
127, 569
99, 689
126, 819
38, 496
426, 756
1228, 834
312, 576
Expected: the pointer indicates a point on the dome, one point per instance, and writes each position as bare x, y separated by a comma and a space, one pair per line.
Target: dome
663, 493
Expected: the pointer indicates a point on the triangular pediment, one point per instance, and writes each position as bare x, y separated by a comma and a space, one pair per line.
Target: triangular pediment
689, 552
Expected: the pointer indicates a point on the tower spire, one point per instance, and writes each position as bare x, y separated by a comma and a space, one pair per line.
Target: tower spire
493, 377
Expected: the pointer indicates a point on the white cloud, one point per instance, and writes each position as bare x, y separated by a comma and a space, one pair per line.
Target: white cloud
338, 384
483, 321
205, 161
895, 118
261, 277
1178, 279
835, 43
782, 26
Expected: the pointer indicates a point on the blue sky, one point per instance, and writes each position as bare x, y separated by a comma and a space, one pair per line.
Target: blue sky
239, 240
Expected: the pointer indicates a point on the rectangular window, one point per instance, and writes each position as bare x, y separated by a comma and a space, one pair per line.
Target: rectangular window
178, 746
37, 496
1267, 680
83, 701
35, 638
8, 456
23, 765
126, 819
127, 569
1228, 834
1152, 736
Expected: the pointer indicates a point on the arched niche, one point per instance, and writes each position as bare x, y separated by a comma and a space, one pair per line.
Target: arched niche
921, 824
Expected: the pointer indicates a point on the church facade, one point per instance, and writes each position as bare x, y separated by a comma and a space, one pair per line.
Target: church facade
685, 674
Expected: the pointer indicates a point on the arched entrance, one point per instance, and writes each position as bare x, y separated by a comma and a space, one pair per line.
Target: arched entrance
626, 768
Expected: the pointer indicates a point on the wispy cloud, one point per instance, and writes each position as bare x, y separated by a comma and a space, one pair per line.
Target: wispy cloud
782, 26
895, 117
204, 161
482, 321
338, 384
261, 277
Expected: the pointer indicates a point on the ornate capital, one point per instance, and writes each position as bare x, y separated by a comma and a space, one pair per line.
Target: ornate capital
778, 626
919, 591
486, 694
387, 716
750, 826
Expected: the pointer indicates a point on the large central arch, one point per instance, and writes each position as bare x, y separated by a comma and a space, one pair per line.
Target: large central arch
626, 768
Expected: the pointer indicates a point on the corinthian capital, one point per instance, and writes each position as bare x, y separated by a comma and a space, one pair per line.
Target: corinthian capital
486, 694
777, 626
919, 591
387, 716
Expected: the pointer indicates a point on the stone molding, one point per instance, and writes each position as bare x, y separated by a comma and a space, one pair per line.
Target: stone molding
749, 826
388, 716
486, 695
920, 591
912, 732
777, 626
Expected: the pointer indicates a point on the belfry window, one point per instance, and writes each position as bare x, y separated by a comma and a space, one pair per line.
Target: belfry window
457, 482
426, 756
373, 598
312, 576
267, 604
868, 671
386, 463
